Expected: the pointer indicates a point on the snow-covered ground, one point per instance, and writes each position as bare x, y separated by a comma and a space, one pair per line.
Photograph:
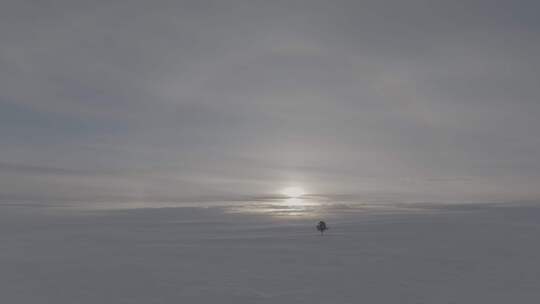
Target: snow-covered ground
461, 254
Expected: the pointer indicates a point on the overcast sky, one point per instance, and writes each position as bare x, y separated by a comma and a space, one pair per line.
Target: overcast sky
223, 100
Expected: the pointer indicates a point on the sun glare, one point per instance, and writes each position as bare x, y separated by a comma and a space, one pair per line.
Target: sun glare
293, 192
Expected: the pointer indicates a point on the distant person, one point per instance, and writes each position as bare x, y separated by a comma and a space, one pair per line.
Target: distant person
321, 226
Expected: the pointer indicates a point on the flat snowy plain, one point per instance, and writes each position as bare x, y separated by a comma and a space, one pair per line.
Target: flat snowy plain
422, 254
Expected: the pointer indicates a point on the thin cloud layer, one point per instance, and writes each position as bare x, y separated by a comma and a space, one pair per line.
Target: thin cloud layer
183, 100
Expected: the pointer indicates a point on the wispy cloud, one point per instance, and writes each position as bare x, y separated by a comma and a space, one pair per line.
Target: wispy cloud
186, 99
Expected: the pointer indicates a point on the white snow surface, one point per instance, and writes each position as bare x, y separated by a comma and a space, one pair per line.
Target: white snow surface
447, 254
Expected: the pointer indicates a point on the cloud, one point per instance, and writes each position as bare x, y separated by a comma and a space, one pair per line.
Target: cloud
238, 98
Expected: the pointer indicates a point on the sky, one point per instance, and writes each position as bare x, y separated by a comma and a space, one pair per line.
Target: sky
200, 101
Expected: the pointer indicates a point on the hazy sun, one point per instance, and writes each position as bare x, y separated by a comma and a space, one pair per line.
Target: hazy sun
293, 192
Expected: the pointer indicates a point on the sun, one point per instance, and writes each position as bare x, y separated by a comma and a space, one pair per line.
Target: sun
293, 192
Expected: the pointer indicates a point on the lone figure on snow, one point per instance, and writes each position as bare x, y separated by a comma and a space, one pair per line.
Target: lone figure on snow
321, 226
